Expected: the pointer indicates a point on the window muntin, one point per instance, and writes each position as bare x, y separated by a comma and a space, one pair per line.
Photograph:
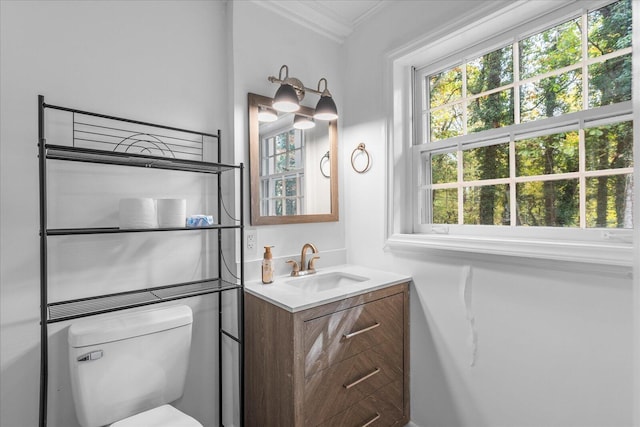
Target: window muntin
548, 179
282, 173
575, 178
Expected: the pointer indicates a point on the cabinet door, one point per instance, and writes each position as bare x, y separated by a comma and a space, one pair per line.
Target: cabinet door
342, 385
382, 408
338, 336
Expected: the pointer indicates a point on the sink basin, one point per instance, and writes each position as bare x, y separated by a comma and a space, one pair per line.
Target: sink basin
323, 282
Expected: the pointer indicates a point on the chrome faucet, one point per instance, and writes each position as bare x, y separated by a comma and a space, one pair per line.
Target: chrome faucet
305, 268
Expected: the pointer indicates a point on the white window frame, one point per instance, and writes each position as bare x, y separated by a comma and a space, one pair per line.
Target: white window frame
488, 28
270, 199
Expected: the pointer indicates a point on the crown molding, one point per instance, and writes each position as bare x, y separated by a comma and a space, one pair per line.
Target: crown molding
317, 17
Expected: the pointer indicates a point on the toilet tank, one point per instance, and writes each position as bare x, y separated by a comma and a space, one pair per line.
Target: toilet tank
128, 363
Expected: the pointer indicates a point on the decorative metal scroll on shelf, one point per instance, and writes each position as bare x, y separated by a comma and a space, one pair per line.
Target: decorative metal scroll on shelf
98, 133
113, 134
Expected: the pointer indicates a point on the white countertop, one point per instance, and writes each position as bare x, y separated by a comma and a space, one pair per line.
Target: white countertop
285, 293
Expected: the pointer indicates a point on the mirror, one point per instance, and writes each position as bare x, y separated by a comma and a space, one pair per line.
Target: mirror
294, 172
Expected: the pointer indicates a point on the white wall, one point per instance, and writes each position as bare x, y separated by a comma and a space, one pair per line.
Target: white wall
263, 41
554, 340
163, 62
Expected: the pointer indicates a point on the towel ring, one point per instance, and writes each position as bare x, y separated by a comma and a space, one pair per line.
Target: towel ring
324, 164
360, 149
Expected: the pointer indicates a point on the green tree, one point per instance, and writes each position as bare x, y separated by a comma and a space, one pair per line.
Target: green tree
493, 111
550, 50
545, 202
610, 82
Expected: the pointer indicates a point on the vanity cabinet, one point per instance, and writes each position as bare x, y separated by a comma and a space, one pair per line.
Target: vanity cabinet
345, 363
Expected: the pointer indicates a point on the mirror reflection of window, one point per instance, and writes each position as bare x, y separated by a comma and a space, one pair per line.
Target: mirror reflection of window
282, 171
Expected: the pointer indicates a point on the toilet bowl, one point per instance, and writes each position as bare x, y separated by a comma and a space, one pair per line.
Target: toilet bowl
127, 368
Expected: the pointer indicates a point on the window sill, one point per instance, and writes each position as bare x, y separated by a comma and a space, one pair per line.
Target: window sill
599, 255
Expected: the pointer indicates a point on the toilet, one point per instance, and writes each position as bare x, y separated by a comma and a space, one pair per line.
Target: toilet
127, 368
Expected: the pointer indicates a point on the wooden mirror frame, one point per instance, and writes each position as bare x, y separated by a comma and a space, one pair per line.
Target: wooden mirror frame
254, 102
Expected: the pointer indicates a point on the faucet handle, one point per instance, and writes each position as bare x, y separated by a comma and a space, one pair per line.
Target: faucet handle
312, 262
296, 267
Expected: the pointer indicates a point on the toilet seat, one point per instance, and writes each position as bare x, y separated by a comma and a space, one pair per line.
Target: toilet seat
162, 416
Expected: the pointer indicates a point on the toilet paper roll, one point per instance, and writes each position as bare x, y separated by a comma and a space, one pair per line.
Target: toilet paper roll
137, 213
172, 212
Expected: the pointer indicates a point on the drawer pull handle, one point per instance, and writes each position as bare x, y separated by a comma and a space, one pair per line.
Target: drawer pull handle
372, 420
358, 381
361, 331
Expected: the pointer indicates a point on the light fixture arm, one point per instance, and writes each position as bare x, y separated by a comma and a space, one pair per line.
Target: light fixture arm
292, 81
286, 71
324, 92
297, 84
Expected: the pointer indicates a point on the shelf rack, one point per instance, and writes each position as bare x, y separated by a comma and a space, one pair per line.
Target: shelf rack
88, 155
82, 307
116, 230
110, 140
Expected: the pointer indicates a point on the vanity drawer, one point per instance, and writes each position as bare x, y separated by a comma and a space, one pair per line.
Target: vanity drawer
384, 408
338, 336
340, 386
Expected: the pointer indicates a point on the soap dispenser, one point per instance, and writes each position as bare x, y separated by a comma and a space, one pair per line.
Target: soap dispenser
267, 266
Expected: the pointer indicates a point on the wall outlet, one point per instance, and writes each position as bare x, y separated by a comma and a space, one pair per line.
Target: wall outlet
251, 237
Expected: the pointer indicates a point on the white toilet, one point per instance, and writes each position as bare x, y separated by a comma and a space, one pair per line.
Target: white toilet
127, 368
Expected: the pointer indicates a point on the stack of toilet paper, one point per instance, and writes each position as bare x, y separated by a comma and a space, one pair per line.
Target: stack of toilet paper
172, 212
149, 213
137, 213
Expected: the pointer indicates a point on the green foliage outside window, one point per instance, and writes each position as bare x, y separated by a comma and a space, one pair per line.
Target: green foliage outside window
546, 81
282, 173
548, 203
487, 205
445, 206
550, 50
444, 168
546, 155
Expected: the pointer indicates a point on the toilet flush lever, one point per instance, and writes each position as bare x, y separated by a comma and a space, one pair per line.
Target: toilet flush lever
94, 355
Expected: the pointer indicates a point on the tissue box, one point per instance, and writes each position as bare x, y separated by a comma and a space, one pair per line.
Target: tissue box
199, 220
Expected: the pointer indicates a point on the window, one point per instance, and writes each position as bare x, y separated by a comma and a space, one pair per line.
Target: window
282, 173
532, 133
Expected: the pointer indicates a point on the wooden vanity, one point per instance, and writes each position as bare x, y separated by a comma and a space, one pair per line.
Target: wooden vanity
341, 363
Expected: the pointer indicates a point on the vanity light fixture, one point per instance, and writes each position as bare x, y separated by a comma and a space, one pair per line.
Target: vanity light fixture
286, 99
292, 91
266, 115
326, 108
303, 122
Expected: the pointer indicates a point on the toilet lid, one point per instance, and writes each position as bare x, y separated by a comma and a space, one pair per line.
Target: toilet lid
162, 416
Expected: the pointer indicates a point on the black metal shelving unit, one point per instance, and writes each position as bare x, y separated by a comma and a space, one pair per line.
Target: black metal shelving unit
110, 140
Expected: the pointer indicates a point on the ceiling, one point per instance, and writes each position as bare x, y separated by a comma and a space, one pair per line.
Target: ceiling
335, 19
